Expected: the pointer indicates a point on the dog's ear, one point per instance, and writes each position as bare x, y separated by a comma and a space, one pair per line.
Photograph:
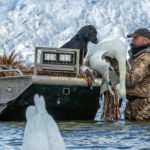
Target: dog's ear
83, 33
86, 34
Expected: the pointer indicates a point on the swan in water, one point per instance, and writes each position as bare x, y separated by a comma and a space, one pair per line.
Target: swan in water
41, 131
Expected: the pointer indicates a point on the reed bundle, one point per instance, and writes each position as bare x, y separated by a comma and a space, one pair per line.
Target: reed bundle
111, 106
9, 61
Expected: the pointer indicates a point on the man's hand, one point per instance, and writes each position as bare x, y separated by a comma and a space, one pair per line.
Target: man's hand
88, 75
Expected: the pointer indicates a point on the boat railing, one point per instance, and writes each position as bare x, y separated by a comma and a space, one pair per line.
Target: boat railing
12, 70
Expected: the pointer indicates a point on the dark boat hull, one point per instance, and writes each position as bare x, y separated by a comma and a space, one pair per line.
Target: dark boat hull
79, 103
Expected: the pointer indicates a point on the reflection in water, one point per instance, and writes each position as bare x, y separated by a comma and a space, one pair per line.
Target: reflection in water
81, 135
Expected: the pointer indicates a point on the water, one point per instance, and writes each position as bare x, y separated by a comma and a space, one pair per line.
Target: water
81, 135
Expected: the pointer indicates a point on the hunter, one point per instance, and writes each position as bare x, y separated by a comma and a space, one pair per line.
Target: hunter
138, 77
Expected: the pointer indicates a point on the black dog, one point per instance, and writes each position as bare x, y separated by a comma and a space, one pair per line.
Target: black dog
81, 39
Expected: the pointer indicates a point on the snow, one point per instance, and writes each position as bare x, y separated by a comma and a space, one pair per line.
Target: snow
48, 23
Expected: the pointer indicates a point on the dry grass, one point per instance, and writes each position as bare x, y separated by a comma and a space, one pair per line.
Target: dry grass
9, 62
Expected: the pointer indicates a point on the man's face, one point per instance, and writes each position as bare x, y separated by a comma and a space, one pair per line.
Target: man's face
139, 40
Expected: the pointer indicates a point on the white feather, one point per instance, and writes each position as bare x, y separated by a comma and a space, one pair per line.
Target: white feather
114, 49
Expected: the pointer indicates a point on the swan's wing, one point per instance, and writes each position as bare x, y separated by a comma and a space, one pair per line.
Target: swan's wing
114, 78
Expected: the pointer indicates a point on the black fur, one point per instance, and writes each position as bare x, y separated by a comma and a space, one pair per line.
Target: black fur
80, 40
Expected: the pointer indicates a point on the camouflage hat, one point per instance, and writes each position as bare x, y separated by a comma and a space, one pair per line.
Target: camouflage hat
140, 32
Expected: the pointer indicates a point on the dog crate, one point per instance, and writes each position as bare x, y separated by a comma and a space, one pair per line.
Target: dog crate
56, 60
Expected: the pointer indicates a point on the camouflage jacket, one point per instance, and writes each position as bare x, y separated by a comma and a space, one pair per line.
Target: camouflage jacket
138, 78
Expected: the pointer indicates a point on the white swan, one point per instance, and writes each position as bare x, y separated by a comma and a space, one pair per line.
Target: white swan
41, 131
114, 49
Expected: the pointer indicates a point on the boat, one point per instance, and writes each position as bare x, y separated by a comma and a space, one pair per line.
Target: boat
67, 95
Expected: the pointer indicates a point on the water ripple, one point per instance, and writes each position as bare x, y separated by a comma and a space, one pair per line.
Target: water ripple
79, 135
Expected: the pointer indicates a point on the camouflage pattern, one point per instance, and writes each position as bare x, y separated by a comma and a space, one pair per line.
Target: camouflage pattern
138, 88
138, 109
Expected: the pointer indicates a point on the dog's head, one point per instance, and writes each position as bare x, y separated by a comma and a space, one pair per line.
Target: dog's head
89, 33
